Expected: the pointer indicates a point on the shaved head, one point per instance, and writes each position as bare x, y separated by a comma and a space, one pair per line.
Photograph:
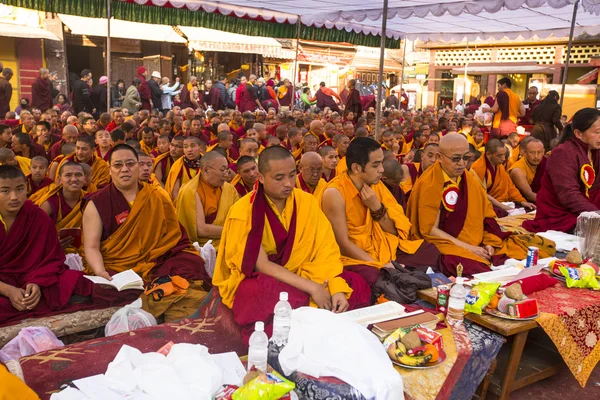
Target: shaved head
311, 168
454, 146
269, 154
392, 169
210, 156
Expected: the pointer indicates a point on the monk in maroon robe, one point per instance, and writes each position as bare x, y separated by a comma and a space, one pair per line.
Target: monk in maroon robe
353, 103
41, 91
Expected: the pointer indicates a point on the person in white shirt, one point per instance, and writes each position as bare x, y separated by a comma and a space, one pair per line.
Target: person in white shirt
460, 107
168, 92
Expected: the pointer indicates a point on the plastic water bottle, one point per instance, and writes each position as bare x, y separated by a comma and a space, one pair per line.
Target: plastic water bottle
282, 320
259, 345
456, 304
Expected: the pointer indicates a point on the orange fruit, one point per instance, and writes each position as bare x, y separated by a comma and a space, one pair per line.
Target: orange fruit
431, 349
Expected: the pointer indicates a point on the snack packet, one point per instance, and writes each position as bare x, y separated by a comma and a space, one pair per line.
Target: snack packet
269, 386
480, 296
582, 277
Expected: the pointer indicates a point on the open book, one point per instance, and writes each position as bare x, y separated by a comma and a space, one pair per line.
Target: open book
121, 281
377, 313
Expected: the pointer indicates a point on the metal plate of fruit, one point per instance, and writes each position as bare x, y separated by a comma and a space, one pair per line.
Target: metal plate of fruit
500, 314
441, 359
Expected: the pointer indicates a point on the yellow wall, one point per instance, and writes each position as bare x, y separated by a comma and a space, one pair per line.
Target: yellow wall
8, 55
576, 97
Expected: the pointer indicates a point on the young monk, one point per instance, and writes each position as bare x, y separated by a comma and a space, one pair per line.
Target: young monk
130, 225
330, 162
514, 150
185, 168
23, 146
341, 143
247, 174
412, 171
278, 240
309, 179
162, 146
393, 175
34, 281
62, 202
146, 176
369, 225
103, 144
203, 203
37, 179
527, 173
164, 162
448, 209
294, 142
568, 186
84, 153
490, 172
7, 157
148, 143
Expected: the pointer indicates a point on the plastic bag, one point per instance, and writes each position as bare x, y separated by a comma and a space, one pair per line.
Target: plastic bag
29, 341
74, 262
129, 318
582, 277
270, 386
480, 296
209, 254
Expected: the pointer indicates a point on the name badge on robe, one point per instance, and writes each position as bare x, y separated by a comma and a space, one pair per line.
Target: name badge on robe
450, 197
588, 176
121, 217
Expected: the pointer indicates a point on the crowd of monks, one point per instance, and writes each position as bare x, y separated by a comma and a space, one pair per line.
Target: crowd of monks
314, 204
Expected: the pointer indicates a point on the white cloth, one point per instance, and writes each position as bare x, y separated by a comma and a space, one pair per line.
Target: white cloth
564, 241
322, 343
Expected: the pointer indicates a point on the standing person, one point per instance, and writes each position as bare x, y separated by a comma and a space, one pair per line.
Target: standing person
249, 96
392, 100
99, 94
530, 103
189, 94
404, 101
166, 101
5, 91
231, 93
41, 93
285, 94
353, 103
507, 109
155, 91
221, 85
212, 96
81, 93
117, 94
132, 101
546, 117
144, 89
325, 98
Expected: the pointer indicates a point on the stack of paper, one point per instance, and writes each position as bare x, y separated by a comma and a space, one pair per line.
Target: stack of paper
377, 313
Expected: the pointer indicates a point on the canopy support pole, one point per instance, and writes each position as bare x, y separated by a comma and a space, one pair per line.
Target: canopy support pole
568, 60
464, 99
296, 58
381, 61
108, 102
403, 64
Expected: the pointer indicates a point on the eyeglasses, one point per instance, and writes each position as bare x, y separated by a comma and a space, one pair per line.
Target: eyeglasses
466, 158
314, 171
222, 170
119, 164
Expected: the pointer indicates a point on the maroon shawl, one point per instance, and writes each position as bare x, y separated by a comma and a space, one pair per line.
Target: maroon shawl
41, 96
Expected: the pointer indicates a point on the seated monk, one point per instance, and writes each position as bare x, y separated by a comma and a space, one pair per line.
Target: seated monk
388, 142
34, 280
203, 203
490, 172
130, 225
148, 142
310, 143
512, 144
569, 186
69, 135
369, 225
62, 202
103, 144
341, 143
277, 240
476, 139
185, 168
7, 157
330, 162
448, 208
37, 179
84, 153
412, 171
273, 141
146, 176
164, 162
24, 146
391, 178
527, 173
249, 148
162, 145
225, 142
294, 142
247, 174
311, 169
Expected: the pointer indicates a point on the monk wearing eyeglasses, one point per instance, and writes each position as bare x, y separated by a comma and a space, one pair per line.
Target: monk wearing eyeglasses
130, 225
164, 162
449, 209
203, 203
310, 178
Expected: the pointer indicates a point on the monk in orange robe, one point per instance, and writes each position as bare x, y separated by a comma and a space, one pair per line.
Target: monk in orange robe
130, 225
369, 225
449, 209
164, 162
13, 387
527, 173
8, 157
278, 240
203, 203
247, 175
185, 168
248, 148
413, 170
330, 162
84, 153
146, 176
225, 142
37, 179
62, 204
311, 169
492, 175
294, 142
512, 144
341, 143
103, 143
392, 176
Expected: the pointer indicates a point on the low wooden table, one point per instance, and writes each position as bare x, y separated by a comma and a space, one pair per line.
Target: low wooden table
522, 366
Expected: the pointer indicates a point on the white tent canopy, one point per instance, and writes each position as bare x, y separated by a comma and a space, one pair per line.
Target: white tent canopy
22, 31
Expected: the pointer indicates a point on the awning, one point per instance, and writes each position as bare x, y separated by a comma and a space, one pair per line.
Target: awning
121, 29
203, 39
588, 78
504, 68
367, 58
21, 31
